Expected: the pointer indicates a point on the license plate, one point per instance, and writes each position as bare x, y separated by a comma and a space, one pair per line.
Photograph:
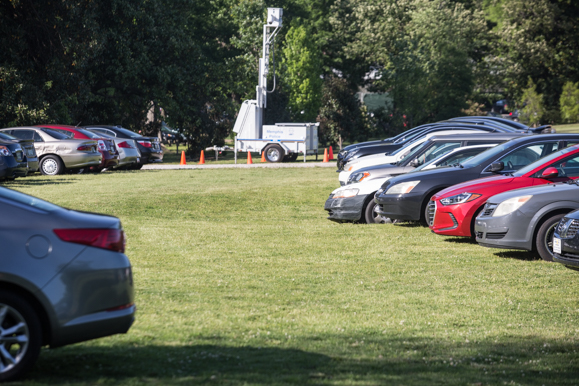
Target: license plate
557, 245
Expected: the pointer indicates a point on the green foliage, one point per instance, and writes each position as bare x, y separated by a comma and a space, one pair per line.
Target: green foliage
533, 109
569, 102
301, 74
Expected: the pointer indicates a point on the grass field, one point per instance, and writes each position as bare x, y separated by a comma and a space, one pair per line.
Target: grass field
241, 280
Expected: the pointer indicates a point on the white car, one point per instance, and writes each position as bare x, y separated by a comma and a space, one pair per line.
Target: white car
381, 159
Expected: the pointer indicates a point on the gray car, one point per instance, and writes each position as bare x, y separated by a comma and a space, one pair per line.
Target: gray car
58, 152
64, 278
526, 218
129, 154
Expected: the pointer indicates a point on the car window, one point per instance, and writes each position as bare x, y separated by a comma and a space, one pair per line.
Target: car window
23, 134
21, 198
568, 167
55, 134
130, 133
526, 155
461, 156
104, 131
437, 150
69, 134
37, 137
7, 136
88, 133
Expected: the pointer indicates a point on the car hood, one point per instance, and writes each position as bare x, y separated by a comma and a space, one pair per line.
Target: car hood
474, 186
555, 192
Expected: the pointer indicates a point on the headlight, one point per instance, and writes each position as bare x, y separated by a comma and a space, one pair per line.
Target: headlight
345, 193
403, 188
357, 177
510, 205
460, 198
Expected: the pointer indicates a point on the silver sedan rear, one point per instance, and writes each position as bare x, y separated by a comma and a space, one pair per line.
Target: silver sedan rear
64, 278
129, 153
56, 151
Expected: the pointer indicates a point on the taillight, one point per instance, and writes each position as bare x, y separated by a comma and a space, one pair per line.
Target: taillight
111, 239
145, 143
125, 145
85, 148
102, 146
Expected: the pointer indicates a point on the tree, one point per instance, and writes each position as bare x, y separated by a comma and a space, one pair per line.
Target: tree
533, 109
569, 102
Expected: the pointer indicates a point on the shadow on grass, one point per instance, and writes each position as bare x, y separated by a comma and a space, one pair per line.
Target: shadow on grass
460, 240
34, 181
518, 255
410, 224
404, 360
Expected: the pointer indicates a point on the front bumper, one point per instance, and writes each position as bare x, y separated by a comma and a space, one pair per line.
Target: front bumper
569, 255
400, 207
345, 209
453, 220
498, 232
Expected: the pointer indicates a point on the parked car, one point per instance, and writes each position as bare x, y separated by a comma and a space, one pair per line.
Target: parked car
354, 202
106, 146
566, 241
348, 158
406, 197
64, 278
170, 135
12, 160
149, 147
58, 152
28, 149
526, 218
452, 211
129, 154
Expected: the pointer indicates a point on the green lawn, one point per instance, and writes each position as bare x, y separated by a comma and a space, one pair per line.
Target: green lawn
241, 280
573, 128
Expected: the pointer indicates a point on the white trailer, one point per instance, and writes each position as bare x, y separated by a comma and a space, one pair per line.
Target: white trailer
279, 142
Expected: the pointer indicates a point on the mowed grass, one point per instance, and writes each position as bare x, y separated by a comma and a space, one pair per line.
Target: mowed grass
241, 280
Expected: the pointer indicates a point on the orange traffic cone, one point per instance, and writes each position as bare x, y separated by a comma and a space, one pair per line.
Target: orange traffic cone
249, 161
202, 158
326, 155
183, 161
263, 156
331, 154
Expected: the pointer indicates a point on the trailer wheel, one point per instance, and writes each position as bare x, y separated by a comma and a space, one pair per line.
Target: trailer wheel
274, 153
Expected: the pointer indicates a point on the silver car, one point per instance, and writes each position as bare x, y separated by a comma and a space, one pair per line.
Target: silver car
129, 154
64, 278
58, 152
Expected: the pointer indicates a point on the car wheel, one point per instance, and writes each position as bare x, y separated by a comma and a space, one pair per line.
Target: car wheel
20, 336
274, 153
51, 165
544, 239
371, 216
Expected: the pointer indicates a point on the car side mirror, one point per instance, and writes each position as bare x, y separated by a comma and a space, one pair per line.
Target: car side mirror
415, 163
550, 172
496, 167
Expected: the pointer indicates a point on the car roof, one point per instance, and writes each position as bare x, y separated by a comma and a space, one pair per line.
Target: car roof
478, 136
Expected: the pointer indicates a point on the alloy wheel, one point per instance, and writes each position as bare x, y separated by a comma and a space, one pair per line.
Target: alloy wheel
14, 338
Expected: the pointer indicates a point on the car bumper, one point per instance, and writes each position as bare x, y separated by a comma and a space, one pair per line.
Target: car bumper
32, 165
400, 207
454, 220
345, 209
12, 168
76, 161
498, 232
569, 255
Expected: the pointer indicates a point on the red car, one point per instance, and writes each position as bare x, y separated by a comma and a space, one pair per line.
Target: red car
106, 146
454, 209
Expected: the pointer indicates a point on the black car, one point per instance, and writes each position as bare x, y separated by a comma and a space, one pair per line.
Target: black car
389, 147
12, 160
27, 146
406, 197
566, 240
150, 147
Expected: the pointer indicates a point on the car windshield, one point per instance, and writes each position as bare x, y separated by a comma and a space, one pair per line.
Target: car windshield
7, 136
404, 161
89, 134
542, 161
486, 155
27, 200
56, 134
130, 133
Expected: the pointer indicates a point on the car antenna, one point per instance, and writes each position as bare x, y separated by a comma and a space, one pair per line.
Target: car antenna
78, 124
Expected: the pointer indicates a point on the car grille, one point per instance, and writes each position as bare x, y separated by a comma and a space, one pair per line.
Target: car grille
568, 228
431, 212
496, 236
488, 210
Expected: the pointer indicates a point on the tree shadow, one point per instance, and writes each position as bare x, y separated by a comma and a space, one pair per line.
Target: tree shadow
404, 360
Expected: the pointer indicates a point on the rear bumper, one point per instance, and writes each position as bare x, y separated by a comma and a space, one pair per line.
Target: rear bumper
345, 209
10, 168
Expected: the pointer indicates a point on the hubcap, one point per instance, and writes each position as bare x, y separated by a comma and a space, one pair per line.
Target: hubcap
49, 166
273, 154
14, 337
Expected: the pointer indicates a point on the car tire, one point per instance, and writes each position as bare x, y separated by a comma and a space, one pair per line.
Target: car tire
51, 165
274, 153
20, 336
370, 215
544, 238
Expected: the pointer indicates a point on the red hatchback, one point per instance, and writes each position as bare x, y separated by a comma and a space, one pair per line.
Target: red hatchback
106, 146
452, 211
